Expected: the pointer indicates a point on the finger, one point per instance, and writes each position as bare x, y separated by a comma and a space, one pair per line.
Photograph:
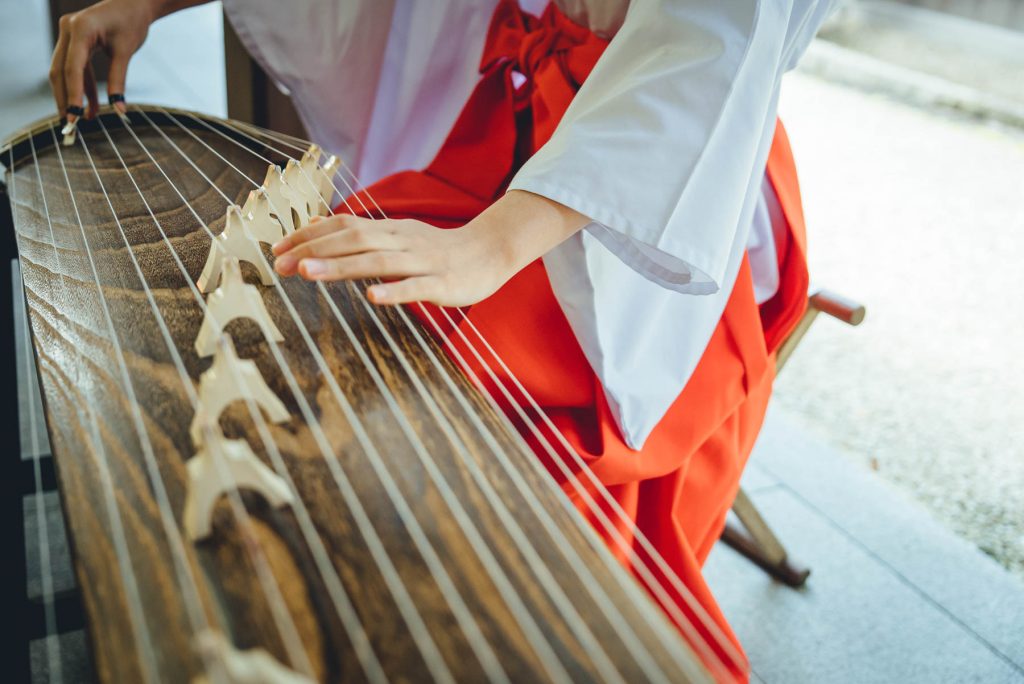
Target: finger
117, 75
368, 265
336, 244
90, 92
311, 232
418, 289
75, 62
57, 65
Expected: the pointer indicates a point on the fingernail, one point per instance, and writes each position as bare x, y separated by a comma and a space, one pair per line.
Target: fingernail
284, 265
279, 247
377, 293
311, 268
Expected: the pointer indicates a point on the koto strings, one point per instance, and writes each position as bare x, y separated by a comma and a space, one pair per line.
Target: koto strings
220, 658
642, 567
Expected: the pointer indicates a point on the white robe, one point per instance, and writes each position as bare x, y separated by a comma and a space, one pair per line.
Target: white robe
676, 118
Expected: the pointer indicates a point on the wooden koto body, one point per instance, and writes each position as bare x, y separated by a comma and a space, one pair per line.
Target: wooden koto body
425, 556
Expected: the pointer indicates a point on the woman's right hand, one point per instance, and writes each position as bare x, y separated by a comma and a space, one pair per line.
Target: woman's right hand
118, 27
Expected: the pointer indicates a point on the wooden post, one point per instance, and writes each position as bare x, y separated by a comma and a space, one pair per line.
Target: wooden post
252, 95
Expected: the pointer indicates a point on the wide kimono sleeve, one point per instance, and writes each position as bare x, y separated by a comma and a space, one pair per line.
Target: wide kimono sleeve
658, 146
664, 148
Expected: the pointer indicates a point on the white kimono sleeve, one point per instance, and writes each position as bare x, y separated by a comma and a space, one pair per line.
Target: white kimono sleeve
659, 144
664, 148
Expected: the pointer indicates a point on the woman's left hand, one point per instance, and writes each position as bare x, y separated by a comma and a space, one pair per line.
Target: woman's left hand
449, 267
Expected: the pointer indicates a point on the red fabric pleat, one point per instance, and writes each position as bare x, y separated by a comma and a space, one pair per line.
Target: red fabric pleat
782, 312
679, 486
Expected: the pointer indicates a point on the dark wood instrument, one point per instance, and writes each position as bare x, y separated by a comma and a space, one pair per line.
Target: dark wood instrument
423, 542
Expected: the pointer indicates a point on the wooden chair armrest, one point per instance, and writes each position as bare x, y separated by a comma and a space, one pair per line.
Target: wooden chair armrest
821, 301
837, 306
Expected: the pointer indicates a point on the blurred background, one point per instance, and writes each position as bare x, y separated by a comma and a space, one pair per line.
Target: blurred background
908, 127
893, 458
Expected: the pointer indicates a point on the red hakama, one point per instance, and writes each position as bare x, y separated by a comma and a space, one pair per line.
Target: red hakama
678, 488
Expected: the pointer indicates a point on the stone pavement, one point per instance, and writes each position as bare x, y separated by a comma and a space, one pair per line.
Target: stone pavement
893, 596
920, 215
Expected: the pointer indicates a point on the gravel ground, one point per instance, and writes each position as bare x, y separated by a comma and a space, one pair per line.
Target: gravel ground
919, 215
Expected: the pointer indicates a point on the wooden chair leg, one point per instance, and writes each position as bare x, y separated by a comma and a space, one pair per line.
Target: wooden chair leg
757, 541
760, 545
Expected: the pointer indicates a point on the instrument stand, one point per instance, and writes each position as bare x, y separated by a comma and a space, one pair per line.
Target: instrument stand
234, 242
760, 546
233, 299
231, 379
757, 542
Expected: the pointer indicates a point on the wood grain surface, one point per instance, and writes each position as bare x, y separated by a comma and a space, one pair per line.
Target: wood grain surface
558, 606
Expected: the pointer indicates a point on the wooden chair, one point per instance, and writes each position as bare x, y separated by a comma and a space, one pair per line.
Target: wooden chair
754, 538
